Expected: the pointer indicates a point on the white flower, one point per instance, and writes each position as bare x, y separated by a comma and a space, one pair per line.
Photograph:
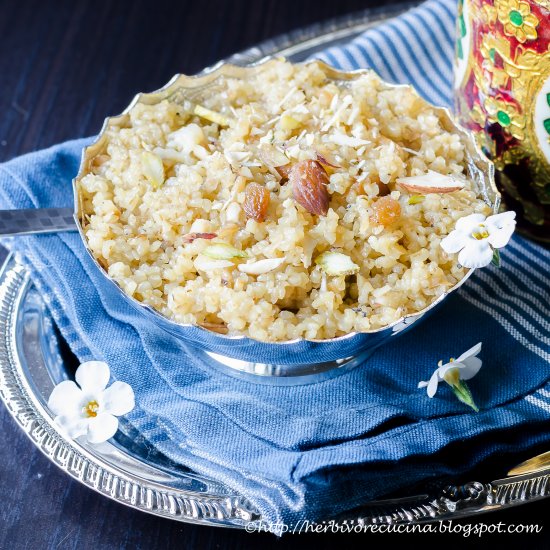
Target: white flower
477, 238
91, 410
454, 373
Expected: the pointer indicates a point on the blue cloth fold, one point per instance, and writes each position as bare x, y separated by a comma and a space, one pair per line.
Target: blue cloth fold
316, 450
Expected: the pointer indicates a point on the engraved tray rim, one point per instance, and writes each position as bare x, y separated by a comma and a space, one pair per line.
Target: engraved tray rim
127, 485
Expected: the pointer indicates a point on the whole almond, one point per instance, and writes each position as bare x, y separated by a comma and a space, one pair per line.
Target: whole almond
309, 182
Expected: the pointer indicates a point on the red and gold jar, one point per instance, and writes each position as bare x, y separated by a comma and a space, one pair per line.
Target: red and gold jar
502, 91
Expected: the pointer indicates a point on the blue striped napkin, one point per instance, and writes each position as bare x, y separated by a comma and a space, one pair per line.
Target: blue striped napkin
317, 450
416, 48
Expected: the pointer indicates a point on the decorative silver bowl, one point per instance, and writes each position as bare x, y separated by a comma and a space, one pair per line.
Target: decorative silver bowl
293, 361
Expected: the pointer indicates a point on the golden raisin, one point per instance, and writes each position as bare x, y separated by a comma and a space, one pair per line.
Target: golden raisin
386, 211
256, 202
309, 182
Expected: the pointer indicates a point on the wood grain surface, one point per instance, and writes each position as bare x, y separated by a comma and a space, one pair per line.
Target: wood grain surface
64, 66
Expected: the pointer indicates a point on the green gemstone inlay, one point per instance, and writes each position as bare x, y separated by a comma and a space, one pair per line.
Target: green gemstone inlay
516, 18
492, 54
548, 99
503, 118
462, 27
546, 124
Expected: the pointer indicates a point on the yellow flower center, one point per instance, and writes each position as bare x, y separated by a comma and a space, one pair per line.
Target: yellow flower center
90, 410
452, 376
480, 233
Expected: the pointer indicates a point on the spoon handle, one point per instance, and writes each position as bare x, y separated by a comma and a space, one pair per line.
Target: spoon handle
36, 220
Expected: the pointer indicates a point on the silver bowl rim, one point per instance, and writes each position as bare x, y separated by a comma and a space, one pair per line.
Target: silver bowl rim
221, 69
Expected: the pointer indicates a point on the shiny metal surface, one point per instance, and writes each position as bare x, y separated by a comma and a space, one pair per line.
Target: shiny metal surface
126, 469
36, 220
301, 358
33, 358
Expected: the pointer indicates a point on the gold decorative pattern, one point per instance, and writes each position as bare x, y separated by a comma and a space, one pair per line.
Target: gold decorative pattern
517, 19
507, 115
491, 45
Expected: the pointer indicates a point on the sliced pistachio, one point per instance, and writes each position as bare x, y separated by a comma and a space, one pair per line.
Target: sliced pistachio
212, 116
336, 263
416, 199
261, 266
152, 168
223, 251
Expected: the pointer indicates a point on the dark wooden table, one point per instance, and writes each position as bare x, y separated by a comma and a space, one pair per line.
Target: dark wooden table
64, 66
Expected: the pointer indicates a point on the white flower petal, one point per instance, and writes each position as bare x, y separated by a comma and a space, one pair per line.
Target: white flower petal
102, 427
444, 369
422, 384
500, 237
432, 384
472, 352
74, 426
454, 242
470, 368
65, 398
499, 221
93, 376
476, 254
117, 399
468, 223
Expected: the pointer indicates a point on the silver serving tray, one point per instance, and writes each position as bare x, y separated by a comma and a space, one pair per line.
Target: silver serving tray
34, 357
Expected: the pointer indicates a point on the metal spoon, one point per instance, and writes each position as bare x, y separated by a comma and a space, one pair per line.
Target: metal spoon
36, 220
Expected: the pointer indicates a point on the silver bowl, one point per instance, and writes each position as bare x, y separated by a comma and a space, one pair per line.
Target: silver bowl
294, 361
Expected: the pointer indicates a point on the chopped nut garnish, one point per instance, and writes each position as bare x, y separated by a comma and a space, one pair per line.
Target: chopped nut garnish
348, 141
228, 230
386, 211
271, 156
256, 202
336, 263
416, 199
309, 182
261, 266
190, 237
212, 116
324, 161
204, 263
283, 171
289, 123
431, 182
223, 251
152, 168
